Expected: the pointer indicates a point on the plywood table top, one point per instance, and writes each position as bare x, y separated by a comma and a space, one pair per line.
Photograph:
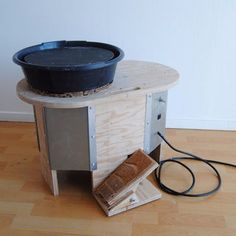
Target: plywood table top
131, 77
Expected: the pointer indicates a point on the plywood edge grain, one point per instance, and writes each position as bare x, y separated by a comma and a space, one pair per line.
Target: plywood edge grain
132, 77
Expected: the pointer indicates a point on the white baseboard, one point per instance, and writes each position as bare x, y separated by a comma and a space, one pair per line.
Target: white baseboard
17, 116
189, 123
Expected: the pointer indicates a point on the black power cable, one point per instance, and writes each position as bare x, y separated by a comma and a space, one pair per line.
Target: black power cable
177, 160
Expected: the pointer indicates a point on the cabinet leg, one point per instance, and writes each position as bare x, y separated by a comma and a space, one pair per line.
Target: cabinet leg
156, 154
49, 175
55, 188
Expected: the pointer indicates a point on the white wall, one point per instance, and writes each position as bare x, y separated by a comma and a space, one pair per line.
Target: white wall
196, 37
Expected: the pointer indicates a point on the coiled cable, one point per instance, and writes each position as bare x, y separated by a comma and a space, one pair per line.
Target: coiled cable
177, 160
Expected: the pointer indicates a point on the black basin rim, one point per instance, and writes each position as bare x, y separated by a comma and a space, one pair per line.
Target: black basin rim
18, 57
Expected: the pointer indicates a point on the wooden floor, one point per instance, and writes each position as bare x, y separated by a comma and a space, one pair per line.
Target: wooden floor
28, 208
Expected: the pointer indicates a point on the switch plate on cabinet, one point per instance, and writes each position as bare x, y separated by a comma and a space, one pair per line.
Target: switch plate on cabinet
155, 120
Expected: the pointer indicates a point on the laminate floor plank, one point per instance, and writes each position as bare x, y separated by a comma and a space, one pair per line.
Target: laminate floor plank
27, 207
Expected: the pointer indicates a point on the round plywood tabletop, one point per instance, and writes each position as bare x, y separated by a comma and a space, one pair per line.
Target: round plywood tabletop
131, 77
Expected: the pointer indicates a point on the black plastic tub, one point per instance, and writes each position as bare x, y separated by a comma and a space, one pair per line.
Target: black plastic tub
69, 66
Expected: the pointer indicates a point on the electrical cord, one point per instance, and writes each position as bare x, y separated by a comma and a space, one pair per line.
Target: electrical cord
177, 160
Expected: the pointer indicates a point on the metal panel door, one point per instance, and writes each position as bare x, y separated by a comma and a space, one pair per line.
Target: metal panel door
71, 138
